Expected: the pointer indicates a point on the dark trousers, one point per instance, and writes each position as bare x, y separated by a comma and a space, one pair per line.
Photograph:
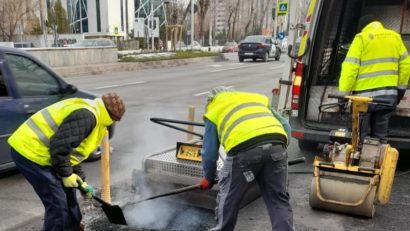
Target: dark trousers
62, 212
375, 123
267, 164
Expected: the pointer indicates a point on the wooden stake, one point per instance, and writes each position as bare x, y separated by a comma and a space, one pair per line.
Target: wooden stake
191, 118
105, 169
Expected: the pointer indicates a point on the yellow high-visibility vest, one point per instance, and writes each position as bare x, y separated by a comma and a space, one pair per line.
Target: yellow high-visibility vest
376, 64
241, 116
32, 138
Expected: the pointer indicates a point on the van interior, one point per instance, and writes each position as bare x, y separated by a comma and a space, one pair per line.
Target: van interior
336, 28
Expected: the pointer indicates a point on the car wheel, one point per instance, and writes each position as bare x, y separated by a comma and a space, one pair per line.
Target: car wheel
278, 57
240, 59
254, 59
266, 57
307, 145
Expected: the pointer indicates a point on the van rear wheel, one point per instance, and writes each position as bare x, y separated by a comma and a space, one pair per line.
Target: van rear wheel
307, 145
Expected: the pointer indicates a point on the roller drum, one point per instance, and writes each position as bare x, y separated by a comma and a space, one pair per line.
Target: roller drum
338, 189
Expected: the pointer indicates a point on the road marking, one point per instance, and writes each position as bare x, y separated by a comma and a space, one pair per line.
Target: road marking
206, 92
233, 68
278, 67
119, 85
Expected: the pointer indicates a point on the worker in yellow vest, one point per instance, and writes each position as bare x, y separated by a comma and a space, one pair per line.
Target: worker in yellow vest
255, 140
49, 147
376, 65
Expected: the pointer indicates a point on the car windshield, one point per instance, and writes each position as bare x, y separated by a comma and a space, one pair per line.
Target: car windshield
254, 39
230, 44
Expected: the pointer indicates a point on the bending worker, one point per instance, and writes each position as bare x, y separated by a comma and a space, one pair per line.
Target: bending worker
49, 147
376, 65
255, 140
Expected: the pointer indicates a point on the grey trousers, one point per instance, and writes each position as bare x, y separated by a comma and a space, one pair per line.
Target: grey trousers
267, 164
375, 124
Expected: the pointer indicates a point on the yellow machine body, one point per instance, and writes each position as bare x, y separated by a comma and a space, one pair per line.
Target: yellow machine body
353, 181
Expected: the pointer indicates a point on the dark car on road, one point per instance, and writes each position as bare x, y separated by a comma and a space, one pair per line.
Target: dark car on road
258, 47
26, 86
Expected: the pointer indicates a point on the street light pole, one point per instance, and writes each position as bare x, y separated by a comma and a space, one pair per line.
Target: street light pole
152, 25
192, 24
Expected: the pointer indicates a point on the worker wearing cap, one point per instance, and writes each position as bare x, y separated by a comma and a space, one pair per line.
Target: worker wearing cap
376, 65
49, 147
255, 139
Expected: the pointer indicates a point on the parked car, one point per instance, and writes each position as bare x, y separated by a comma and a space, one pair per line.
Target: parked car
26, 86
100, 42
230, 47
181, 46
258, 47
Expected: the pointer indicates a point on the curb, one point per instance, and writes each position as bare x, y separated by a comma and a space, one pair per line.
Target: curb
131, 66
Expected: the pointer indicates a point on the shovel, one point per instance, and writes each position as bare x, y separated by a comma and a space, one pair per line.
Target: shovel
113, 212
196, 186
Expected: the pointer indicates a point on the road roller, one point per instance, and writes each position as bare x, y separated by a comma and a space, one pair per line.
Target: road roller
350, 176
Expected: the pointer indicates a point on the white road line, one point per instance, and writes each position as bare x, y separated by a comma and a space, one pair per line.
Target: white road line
278, 67
206, 92
119, 85
202, 93
233, 68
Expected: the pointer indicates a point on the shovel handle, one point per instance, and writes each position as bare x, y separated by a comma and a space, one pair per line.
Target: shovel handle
173, 192
296, 161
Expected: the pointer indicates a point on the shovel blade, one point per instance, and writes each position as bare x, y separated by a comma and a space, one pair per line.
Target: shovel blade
114, 214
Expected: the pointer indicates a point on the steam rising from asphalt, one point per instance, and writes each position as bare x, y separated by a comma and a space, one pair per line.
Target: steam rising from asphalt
150, 215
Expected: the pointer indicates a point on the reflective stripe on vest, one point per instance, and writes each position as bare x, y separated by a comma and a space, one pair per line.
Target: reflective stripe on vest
376, 92
51, 123
241, 119
237, 108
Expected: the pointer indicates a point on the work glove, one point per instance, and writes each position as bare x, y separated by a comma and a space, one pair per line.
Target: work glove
72, 181
205, 184
87, 190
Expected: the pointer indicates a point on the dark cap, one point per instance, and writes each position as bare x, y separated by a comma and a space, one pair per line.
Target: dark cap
364, 21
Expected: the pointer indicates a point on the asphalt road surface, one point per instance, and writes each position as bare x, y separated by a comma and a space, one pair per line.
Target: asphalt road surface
168, 93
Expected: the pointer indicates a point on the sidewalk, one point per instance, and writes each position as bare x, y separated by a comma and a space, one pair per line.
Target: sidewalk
131, 66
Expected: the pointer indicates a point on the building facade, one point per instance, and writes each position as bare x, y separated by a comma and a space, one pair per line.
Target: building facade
220, 16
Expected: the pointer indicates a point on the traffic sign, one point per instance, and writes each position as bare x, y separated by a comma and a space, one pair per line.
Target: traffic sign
283, 8
281, 35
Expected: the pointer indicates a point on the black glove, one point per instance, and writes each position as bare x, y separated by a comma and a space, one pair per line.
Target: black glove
342, 104
400, 95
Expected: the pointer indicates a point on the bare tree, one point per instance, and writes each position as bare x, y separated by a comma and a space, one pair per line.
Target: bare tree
263, 10
12, 14
251, 17
235, 18
203, 9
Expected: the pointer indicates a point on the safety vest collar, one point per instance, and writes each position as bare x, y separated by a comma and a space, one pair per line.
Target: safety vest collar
372, 26
105, 117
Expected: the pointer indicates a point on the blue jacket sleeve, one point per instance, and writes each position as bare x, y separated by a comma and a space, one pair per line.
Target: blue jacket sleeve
284, 122
210, 150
